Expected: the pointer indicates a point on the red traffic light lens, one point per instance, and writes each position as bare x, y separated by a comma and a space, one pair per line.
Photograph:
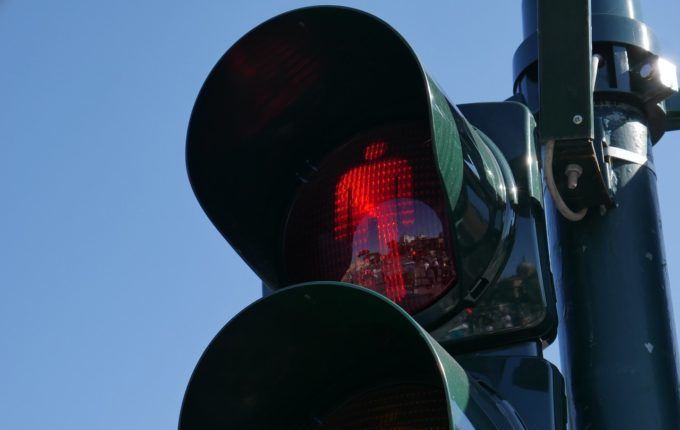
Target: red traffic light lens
373, 214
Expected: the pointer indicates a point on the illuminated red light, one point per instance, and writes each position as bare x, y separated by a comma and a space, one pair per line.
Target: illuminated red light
380, 189
375, 150
374, 215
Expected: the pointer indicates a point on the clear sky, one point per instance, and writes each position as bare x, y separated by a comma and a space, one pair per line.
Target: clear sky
112, 280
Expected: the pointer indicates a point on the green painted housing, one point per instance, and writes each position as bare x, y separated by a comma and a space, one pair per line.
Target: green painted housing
283, 98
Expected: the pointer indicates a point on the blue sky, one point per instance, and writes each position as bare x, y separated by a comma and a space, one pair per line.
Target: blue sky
112, 280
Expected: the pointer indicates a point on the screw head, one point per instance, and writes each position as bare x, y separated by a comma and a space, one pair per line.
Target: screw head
646, 71
578, 119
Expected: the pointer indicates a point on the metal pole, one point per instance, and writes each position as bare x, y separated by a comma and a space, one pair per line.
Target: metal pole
616, 336
616, 332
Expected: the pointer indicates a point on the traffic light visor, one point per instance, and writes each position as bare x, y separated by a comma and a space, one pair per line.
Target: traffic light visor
282, 102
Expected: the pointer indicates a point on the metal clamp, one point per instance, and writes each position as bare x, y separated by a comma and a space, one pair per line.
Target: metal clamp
630, 156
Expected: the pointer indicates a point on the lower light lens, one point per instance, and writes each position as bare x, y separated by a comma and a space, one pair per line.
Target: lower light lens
413, 407
373, 214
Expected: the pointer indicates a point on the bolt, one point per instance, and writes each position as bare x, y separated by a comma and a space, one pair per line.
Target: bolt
598, 60
578, 119
573, 172
646, 71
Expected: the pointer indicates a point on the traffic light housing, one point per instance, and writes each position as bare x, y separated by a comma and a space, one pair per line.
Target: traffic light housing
285, 362
322, 151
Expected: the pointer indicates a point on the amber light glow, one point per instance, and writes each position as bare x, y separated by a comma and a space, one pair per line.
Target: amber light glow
373, 215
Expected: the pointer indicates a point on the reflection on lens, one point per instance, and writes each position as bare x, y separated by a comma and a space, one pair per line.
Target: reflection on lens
404, 406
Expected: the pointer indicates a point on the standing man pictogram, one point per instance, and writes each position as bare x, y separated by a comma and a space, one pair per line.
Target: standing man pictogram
380, 189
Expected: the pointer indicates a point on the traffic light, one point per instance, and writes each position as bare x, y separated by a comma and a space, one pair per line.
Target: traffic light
394, 230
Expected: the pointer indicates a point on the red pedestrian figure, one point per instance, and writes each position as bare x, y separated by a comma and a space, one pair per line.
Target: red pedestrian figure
380, 189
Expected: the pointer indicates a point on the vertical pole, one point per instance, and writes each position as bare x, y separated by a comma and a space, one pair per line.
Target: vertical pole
616, 331
616, 335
